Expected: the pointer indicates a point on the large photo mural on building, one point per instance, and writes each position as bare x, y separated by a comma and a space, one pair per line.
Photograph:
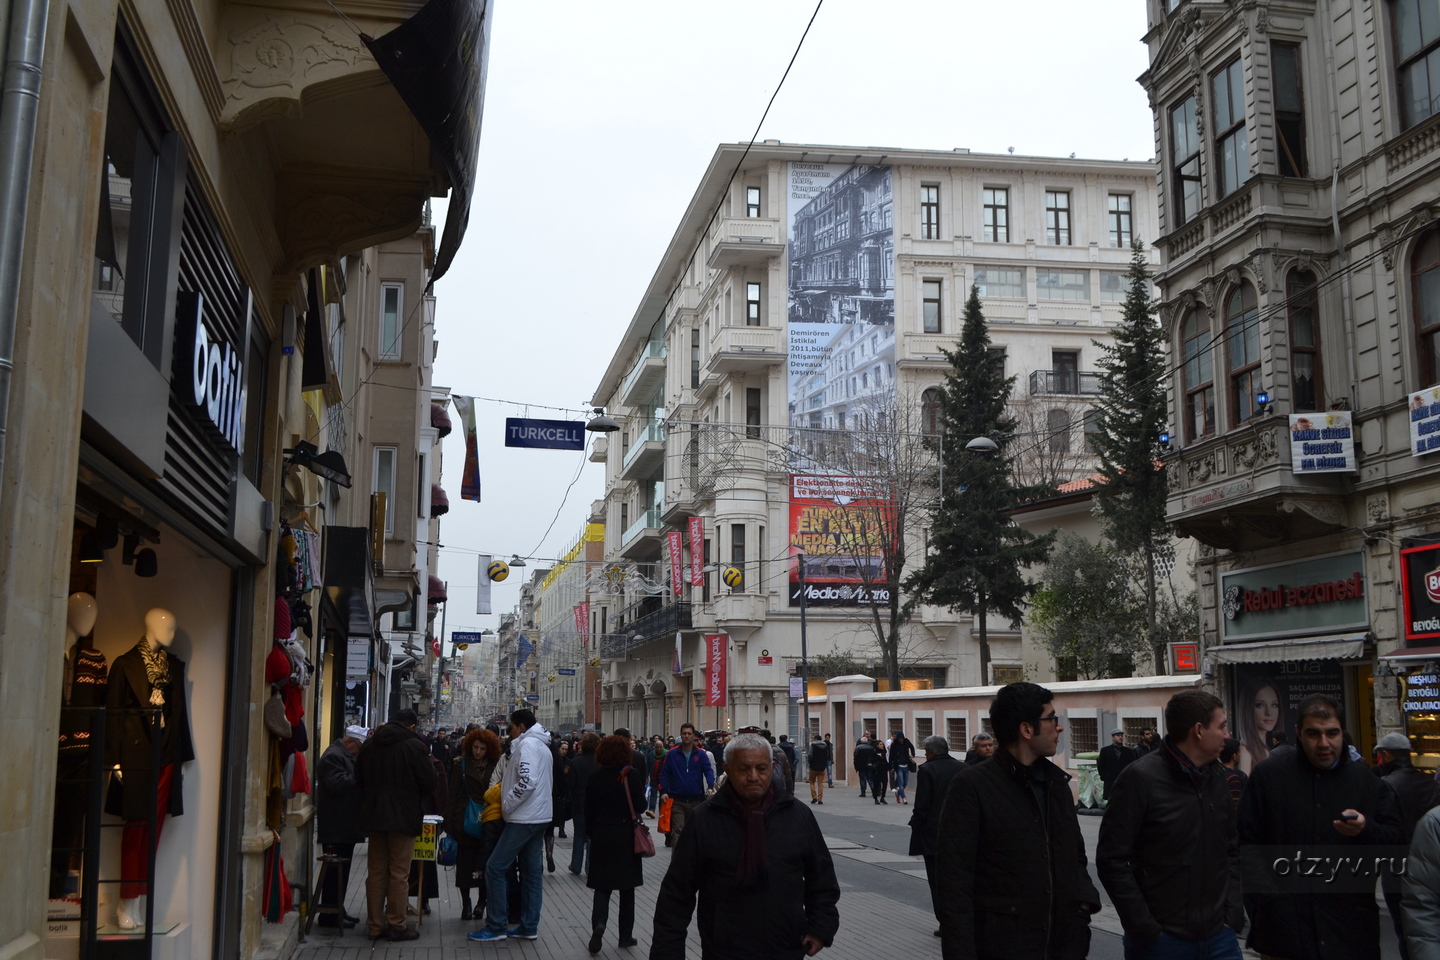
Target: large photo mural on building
841, 340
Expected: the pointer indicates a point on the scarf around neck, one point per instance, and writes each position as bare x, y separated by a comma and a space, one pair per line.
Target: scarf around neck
752, 867
157, 671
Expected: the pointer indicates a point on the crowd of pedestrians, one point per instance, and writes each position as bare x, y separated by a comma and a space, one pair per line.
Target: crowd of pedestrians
1194, 852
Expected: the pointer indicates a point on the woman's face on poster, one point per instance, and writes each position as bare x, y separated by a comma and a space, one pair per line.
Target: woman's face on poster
1266, 707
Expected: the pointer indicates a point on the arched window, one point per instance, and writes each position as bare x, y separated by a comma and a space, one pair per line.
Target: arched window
1425, 271
1306, 387
930, 412
1195, 339
1242, 347
1057, 424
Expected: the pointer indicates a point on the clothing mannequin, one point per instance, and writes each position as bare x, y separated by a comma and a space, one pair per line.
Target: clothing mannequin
145, 681
84, 688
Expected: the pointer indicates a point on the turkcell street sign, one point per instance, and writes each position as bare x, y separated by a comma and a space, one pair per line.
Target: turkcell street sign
545, 434
533, 697
458, 637
566, 671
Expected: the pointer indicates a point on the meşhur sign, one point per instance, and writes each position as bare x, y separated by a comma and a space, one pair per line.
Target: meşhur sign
1316, 596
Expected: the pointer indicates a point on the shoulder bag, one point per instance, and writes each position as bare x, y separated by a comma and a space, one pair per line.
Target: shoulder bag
473, 811
644, 844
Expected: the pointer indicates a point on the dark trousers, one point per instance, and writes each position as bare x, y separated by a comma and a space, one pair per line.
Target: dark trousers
878, 780
67, 835
337, 878
1392, 900
930, 879
600, 911
864, 781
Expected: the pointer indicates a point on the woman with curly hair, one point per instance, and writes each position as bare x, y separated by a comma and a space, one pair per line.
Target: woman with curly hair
472, 773
614, 798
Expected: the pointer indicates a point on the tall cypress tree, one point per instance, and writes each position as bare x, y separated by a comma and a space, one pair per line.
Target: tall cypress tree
1130, 416
976, 550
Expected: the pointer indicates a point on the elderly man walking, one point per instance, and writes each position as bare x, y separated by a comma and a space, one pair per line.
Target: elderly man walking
758, 862
337, 810
932, 782
394, 773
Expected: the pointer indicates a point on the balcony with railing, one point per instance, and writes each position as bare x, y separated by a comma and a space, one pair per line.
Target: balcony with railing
660, 623
1064, 383
743, 241
642, 538
745, 349
646, 456
647, 374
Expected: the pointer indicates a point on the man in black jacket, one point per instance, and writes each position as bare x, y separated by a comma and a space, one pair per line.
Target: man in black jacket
1012, 880
337, 811
760, 866
1415, 793
1113, 759
982, 748
861, 759
1306, 799
394, 773
1167, 854
932, 782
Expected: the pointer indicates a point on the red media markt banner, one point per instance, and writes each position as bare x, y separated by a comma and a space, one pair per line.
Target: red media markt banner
717, 664
582, 621
697, 551
677, 562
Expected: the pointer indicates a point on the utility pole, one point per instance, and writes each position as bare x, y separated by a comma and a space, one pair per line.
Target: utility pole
804, 658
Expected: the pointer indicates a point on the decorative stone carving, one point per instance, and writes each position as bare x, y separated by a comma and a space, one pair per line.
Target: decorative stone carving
1204, 550
1262, 275
1256, 450
1207, 292
1201, 468
1387, 248
1377, 508
1326, 511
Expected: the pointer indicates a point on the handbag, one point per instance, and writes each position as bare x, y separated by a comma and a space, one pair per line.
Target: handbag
644, 844
662, 823
472, 824
911, 766
448, 851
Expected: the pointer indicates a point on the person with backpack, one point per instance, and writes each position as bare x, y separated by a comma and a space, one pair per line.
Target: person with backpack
817, 760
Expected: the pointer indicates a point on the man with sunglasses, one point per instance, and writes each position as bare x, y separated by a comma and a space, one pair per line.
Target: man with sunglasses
1012, 881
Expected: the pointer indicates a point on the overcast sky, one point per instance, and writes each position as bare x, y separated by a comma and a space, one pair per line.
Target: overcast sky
599, 121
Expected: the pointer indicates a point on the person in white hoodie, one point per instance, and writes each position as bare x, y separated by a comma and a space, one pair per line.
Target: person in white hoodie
526, 808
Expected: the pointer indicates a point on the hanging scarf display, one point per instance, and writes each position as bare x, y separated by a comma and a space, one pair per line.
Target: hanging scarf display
157, 671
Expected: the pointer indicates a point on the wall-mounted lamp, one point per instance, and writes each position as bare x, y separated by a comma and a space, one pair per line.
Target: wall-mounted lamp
329, 465
1262, 402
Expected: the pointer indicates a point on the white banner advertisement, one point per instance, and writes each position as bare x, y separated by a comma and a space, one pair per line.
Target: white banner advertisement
482, 585
1322, 442
1425, 421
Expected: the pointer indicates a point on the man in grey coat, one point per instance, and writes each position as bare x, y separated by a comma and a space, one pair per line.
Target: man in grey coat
337, 812
1420, 890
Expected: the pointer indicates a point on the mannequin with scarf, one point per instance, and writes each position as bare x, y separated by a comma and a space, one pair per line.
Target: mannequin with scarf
145, 678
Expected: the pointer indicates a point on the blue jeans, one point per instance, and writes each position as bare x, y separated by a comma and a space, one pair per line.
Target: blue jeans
525, 841
580, 842
1223, 946
902, 777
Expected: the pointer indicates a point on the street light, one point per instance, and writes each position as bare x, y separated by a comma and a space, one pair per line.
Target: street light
804, 656
982, 445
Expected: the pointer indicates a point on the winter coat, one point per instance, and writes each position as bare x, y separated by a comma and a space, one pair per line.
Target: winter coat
1416, 793
1114, 758
902, 751
863, 756
764, 918
788, 748
529, 776
395, 774
614, 864
560, 789
687, 779
880, 764
1167, 854
932, 782
127, 735
581, 767
437, 802
1000, 860
1287, 803
337, 797
469, 779
1420, 890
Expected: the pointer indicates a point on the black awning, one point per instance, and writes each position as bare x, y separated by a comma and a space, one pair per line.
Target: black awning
349, 595
436, 60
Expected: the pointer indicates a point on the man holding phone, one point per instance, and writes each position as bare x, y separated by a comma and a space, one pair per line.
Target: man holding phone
1319, 805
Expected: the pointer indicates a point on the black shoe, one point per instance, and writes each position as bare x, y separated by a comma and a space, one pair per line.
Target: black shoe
351, 922
821, 802
550, 862
411, 933
937, 931
383, 934
595, 937
628, 942
465, 913
427, 909
884, 801
562, 835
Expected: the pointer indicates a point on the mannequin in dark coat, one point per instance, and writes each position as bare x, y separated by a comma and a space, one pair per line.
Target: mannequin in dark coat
610, 826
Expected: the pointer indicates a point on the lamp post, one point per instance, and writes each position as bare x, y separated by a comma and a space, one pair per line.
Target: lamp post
804, 657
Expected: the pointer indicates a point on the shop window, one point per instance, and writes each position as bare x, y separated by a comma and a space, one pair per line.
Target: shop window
1185, 161
1425, 288
1416, 30
392, 309
1232, 149
1289, 110
1306, 385
1199, 375
955, 735
1242, 335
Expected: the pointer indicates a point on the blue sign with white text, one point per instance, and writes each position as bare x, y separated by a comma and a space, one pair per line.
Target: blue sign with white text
457, 636
566, 671
545, 434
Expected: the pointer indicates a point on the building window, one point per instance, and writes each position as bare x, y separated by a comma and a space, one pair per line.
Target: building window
1114, 286
1091, 427
997, 357
1289, 110
737, 551
624, 516
1185, 160
1064, 371
1242, 333
1084, 735
1425, 268
1120, 230
752, 304
1057, 217
1416, 25
930, 304
930, 412
705, 576
752, 412
752, 202
1232, 151
1062, 285
386, 459
1057, 425
1307, 391
1199, 375
997, 214
955, 735
694, 359
1000, 282
392, 305
930, 212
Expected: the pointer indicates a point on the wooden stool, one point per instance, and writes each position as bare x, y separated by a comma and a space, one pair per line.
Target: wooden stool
328, 862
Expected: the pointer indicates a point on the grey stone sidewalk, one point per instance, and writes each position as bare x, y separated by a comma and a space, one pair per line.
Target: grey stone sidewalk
870, 925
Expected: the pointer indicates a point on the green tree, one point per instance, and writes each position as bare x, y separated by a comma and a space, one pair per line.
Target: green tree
1130, 416
1086, 610
976, 550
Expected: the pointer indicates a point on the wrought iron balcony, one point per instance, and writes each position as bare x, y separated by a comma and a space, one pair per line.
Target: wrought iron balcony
1064, 383
664, 622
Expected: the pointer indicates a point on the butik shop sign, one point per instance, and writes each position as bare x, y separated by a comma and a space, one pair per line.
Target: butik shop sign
1321, 595
217, 375
1420, 588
